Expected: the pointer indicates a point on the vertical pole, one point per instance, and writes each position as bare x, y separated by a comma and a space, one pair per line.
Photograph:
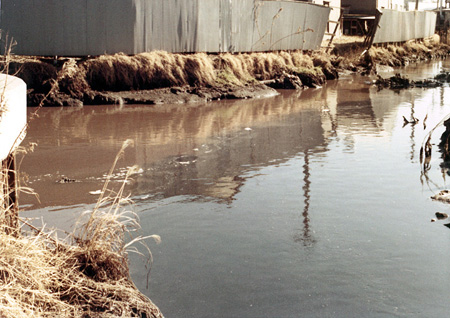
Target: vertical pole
336, 27
368, 41
12, 209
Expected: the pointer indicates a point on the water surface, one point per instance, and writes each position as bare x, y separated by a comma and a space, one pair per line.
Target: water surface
308, 204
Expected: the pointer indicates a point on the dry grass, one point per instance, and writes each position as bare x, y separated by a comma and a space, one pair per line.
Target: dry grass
148, 71
413, 50
45, 278
84, 275
385, 56
159, 69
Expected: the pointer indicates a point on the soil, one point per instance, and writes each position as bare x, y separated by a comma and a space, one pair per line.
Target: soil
181, 95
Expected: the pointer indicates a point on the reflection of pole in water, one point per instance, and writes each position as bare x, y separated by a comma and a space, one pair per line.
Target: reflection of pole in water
305, 236
413, 143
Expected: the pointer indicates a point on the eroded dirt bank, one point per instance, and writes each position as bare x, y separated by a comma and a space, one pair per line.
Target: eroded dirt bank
160, 77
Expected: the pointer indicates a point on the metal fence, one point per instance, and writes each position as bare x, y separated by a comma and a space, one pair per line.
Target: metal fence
93, 27
400, 26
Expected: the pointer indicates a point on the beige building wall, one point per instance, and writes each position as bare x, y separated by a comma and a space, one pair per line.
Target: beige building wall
334, 16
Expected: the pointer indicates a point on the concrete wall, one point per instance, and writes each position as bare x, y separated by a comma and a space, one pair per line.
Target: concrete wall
408, 25
94, 27
13, 113
335, 14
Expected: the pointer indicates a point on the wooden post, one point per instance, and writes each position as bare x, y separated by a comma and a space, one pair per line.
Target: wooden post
368, 41
11, 208
336, 27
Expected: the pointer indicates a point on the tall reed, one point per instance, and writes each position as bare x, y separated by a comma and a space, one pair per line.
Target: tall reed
85, 274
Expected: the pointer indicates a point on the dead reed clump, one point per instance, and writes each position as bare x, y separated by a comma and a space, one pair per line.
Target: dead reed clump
233, 69
84, 275
72, 80
310, 77
158, 69
238, 69
400, 51
111, 72
416, 47
266, 66
99, 72
274, 64
301, 60
287, 56
43, 277
199, 69
36, 74
323, 61
432, 41
384, 56
30, 275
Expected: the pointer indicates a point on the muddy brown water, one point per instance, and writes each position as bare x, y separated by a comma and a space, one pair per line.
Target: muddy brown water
307, 204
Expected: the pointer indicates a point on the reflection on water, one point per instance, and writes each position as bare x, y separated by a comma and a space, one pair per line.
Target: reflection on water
307, 204
304, 236
190, 150
197, 150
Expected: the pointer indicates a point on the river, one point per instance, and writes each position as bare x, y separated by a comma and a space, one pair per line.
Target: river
306, 204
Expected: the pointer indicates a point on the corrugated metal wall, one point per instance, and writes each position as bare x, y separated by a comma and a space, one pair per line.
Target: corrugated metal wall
60, 27
93, 27
400, 26
282, 25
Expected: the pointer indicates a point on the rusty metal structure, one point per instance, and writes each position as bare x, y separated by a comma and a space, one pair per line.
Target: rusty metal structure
95, 27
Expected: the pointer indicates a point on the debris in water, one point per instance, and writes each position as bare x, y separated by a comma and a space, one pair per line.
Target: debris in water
394, 82
248, 128
441, 216
95, 192
413, 121
443, 195
185, 160
400, 82
65, 180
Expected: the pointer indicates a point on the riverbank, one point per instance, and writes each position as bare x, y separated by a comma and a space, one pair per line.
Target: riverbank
84, 274
159, 77
45, 277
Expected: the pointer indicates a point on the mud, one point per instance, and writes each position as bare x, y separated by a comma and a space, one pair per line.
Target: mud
185, 94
